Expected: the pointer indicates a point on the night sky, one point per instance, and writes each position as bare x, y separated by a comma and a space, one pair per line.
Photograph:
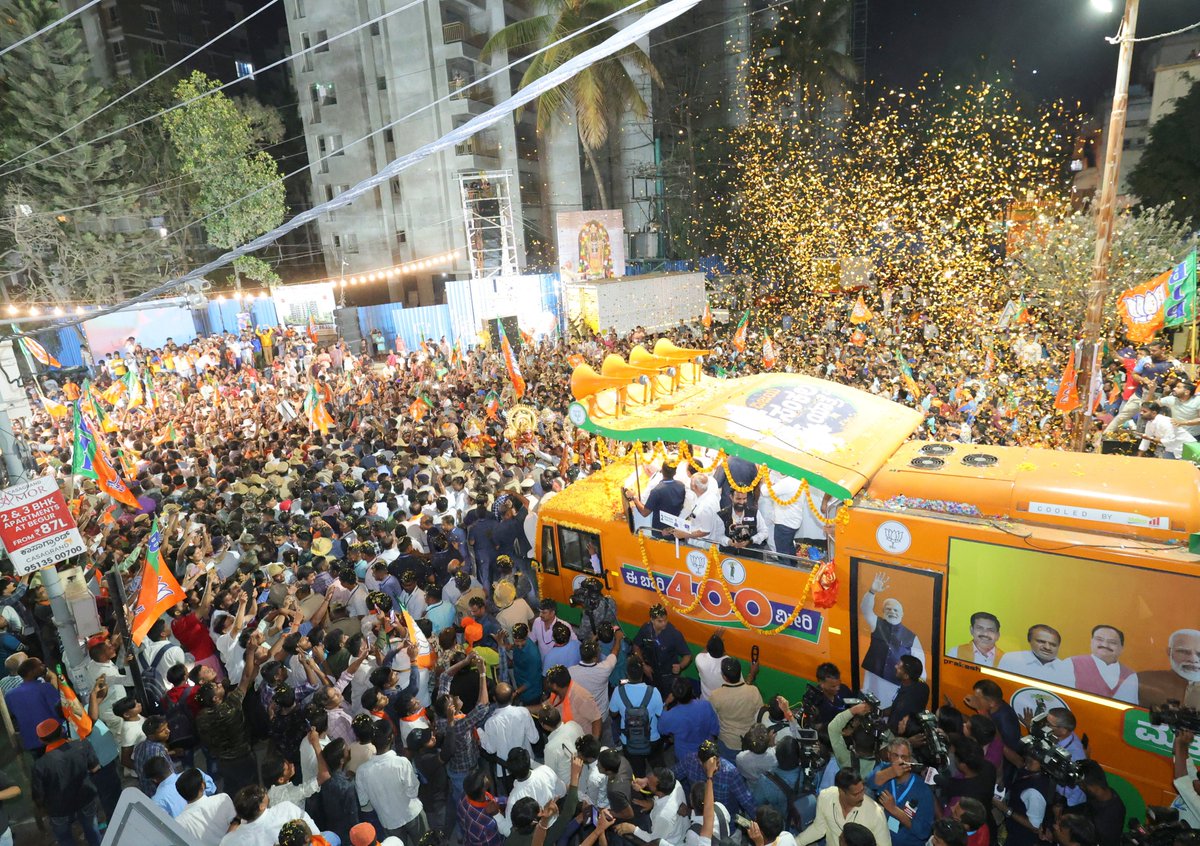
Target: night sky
1062, 40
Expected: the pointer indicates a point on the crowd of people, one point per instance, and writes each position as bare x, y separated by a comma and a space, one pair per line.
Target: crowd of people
362, 654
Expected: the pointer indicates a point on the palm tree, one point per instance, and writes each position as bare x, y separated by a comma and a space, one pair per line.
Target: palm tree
597, 96
805, 53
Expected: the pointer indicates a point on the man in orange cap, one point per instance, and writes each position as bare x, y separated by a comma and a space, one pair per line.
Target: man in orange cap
363, 834
62, 786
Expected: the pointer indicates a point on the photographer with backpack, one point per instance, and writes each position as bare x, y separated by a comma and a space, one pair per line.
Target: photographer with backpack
636, 707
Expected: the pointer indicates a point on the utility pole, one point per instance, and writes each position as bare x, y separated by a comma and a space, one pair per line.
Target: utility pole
1098, 288
63, 619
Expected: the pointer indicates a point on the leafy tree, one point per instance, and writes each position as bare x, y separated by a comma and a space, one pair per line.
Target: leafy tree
70, 216
217, 145
595, 97
1055, 261
1169, 169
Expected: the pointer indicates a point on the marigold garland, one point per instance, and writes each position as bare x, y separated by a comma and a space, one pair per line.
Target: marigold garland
721, 462
812, 577
800, 491
686, 452
708, 568
536, 566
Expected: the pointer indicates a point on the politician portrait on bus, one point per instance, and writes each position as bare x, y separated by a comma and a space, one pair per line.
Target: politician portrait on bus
1139, 649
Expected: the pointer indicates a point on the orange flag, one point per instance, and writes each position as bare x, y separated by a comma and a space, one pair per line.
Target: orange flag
39, 352
1066, 399
510, 361
110, 482
858, 337
425, 656
860, 313
158, 592
706, 318
768, 353
1143, 308
742, 332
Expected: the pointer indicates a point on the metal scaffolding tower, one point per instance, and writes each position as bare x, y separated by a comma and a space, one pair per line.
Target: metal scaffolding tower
858, 36
488, 214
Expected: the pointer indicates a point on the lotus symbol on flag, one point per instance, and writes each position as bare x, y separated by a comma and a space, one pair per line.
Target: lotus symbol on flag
164, 592
1145, 307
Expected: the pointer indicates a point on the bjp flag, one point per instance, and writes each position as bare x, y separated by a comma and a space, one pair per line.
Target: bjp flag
742, 332
39, 352
1066, 399
768, 353
1142, 308
706, 318
158, 592
860, 313
510, 362
55, 409
425, 656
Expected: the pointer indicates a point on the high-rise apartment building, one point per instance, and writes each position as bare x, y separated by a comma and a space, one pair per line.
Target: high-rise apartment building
138, 37
422, 66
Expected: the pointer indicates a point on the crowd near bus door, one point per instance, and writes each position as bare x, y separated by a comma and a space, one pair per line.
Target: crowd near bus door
895, 611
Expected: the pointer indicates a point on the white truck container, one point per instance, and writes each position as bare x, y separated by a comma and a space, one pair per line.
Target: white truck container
654, 301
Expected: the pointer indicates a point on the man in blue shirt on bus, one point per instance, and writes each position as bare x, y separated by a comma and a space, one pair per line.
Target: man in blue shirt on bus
904, 796
667, 497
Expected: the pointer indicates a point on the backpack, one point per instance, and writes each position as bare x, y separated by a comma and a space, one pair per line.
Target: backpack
180, 720
721, 835
791, 795
636, 722
150, 681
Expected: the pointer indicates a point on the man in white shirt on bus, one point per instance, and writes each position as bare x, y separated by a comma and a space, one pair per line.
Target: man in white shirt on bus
701, 526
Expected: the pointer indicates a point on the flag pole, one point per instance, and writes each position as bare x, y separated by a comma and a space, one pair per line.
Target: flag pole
116, 590
1192, 357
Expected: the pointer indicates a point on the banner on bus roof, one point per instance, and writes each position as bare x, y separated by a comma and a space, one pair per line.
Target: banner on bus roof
834, 436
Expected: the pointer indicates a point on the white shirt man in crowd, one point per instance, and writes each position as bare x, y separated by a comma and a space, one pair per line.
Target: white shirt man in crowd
509, 727
541, 783
846, 801
388, 783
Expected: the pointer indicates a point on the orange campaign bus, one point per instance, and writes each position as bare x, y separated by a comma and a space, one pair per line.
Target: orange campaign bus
1064, 577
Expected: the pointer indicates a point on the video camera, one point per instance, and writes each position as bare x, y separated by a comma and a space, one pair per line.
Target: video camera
1162, 827
1175, 716
936, 751
873, 722
1042, 745
588, 595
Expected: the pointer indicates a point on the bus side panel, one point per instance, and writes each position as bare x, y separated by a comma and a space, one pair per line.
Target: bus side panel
1085, 582
764, 595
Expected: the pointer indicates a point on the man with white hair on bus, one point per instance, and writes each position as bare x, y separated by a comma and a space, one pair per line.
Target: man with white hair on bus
890, 641
700, 524
1182, 681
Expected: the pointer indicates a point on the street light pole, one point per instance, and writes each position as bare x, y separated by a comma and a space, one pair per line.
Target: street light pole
60, 609
1098, 287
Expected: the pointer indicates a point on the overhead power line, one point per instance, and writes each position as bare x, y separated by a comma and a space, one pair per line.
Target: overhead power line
48, 27
133, 91
216, 90
617, 41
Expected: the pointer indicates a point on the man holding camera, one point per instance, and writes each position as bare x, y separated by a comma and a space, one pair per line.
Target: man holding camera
595, 608
740, 521
1187, 784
